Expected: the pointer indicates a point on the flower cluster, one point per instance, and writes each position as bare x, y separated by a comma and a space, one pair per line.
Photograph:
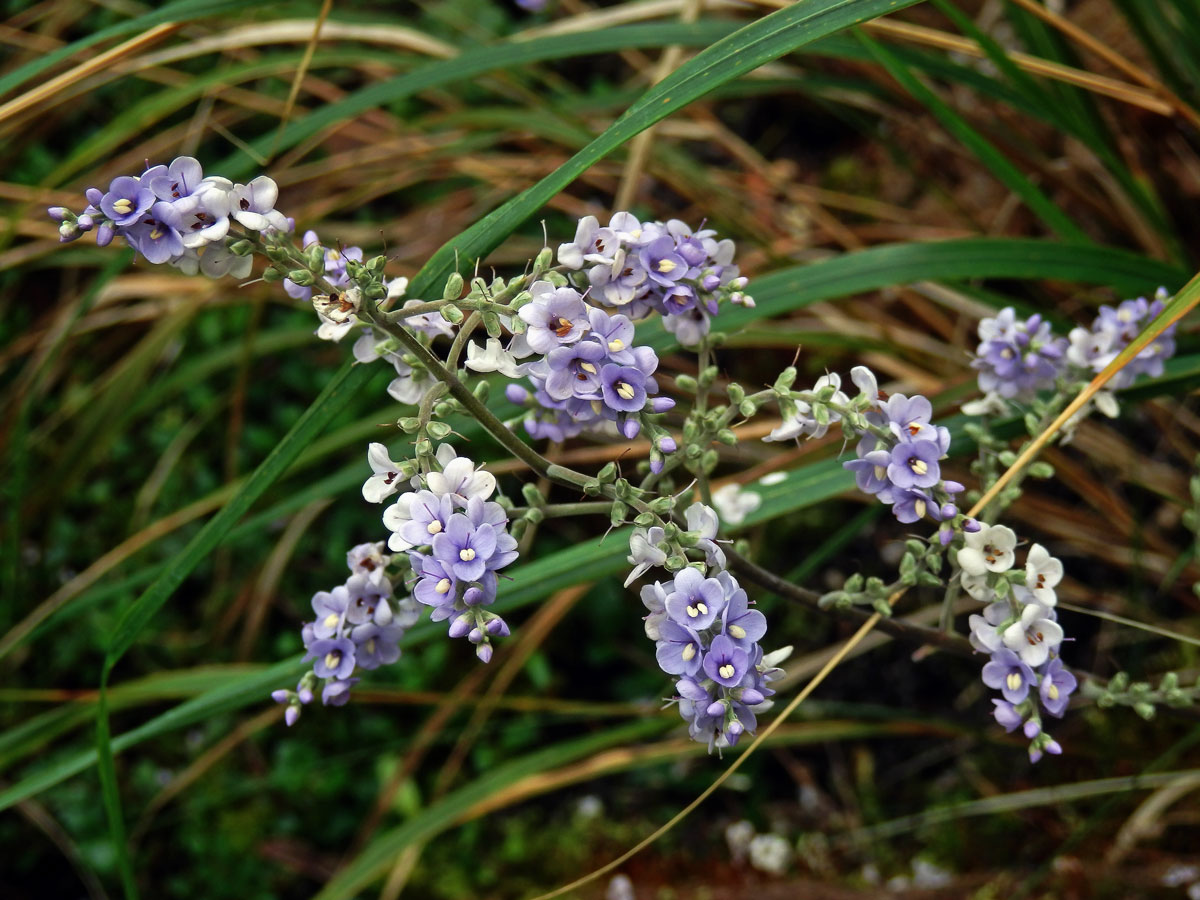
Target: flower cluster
664, 267
1016, 358
1018, 630
356, 627
455, 536
1113, 329
705, 633
175, 214
899, 450
590, 373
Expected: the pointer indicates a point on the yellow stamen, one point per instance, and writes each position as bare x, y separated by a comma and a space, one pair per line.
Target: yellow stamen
1052, 691
467, 554
625, 391
1013, 681
919, 466
726, 671
331, 620
737, 631
665, 266
155, 234
332, 658
616, 345
688, 652
443, 586
919, 507
434, 527
588, 367
123, 206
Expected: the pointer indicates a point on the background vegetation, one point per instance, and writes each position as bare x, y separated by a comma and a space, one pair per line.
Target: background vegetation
887, 186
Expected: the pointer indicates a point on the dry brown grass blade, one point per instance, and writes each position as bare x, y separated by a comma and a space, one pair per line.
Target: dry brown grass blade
639, 149
1035, 65
1110, 56
105, 60
305, 62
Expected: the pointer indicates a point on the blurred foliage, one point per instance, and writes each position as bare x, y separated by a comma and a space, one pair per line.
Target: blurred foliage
136, 402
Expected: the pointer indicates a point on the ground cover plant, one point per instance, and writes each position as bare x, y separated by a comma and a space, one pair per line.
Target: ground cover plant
752, 440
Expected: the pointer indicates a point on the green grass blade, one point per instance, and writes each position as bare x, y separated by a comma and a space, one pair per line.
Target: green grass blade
997, 163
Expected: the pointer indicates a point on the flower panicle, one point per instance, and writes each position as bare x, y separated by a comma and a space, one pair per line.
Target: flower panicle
705, 630
175, 214
1019, 631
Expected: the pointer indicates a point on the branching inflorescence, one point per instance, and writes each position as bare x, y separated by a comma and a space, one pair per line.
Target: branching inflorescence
563, 334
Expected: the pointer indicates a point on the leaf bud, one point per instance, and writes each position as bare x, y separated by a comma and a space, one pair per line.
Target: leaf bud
453, 288
685, 383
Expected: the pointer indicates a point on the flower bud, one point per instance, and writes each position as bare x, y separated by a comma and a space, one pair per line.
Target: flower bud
484, 652
516, 394
460, 626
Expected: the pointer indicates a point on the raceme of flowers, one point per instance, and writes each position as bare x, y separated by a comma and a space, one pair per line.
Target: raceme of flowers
1017, 358
358, 625
706, 634
1019, 631
664, 267
175, 214
455, 536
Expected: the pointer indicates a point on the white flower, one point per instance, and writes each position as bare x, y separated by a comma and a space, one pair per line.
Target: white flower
977, 587
460, 478
984, 636
386, 480
770, 853
990, 549
1042, 574
654, 598
492, 359
803, 423
644, 553
864, 380
734, 504
703, 519
991, 404
1034, 636
395, 517
407, 387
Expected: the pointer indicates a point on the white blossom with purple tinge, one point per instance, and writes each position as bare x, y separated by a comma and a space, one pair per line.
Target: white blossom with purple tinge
988, 550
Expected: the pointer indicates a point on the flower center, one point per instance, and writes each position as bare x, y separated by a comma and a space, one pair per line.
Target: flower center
919, 509
434, 527
689, 652
697, 610
371, 646
918, 465
665, 266
726, 671
1013, 681
123, 206
332, 658
331, 620
625, 391
466, 554
588, 367
443, 586
155, 234
616, 345
562, 327
737, 631
1052, 691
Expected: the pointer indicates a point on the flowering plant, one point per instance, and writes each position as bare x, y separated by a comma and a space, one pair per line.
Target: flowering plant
568, 326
